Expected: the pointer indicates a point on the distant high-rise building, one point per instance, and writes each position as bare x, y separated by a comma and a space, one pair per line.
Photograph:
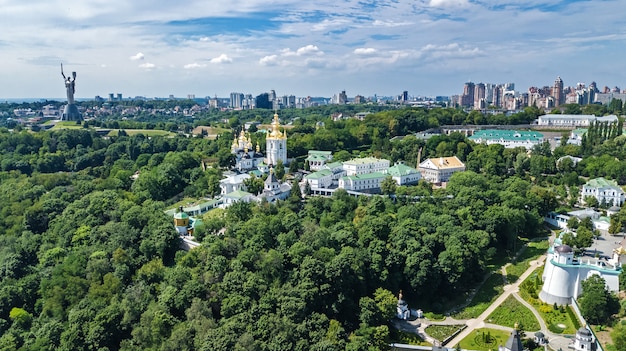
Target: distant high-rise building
359, 99
557, 92
236, 100
405, 96
272, 95
111, 97
479, 96
263, 101
497, 96
467, 99
343, 98
119, 97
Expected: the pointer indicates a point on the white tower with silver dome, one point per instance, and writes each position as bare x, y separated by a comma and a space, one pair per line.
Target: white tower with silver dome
563, 274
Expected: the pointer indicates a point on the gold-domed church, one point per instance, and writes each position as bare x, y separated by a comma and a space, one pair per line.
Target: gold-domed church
276, 144
246, 158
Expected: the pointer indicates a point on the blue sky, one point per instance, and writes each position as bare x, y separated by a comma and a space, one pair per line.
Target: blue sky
318, 48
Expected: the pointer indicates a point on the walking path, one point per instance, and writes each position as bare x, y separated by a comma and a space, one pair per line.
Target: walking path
479, 322
556, 341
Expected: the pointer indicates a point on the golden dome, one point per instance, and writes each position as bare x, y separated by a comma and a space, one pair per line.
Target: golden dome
276, 133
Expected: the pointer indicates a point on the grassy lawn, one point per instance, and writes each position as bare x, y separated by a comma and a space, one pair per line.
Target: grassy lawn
185, 202
561, 320
532, 251
511, 312
210, 132
66, 125
434, 316
484, 339
485, 296
441, 332
407, 338
146, 132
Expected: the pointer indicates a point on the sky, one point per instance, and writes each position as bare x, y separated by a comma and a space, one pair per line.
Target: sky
155, 48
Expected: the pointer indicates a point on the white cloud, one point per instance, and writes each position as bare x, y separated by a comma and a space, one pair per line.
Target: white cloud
390, 24
194, 65
451, 50
223, 58
365, 51
448, 3
270, 60
137, 57
329, 24
308, 50
147, 65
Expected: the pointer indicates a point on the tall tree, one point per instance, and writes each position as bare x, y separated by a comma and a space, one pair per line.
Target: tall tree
597, 303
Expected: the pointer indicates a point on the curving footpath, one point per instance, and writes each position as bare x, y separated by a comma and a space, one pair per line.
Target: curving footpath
556, 341
479, 322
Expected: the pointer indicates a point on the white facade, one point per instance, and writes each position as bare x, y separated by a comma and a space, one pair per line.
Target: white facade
438, 170
404, 174
563, 275
508, 138
365, 165
317, 159
276, 144
233, 182
573, 120
320, 179
362, 182
603, 190
236, 196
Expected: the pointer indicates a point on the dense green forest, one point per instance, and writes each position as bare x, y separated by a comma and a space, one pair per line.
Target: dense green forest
90, 261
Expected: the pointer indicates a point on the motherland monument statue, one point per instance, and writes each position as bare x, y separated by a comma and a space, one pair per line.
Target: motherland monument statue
70, 113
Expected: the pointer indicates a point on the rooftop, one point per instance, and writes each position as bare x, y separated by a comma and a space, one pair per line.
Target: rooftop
443, 162
401, 169
507, 135
601, 183
319, 174
239, 194
362, 161
373, 175
320, 153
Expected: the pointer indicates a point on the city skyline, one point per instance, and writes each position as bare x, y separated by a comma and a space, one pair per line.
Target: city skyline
429, 47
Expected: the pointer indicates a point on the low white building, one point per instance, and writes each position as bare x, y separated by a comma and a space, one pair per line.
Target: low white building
573, 120
365, 165
236, 196
508, 138
438, 170
327, 177
603, 190
317, 159
403, 174
233, 182
361, 182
